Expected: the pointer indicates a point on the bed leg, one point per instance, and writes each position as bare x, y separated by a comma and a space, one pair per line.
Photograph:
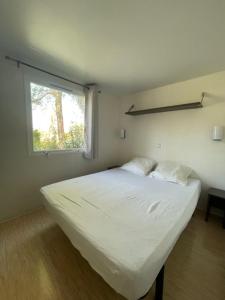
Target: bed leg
159, 285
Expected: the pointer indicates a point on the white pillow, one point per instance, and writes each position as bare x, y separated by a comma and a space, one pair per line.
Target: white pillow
172, 171
140, 166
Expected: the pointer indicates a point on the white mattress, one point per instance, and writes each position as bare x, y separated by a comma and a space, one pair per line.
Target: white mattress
123, 224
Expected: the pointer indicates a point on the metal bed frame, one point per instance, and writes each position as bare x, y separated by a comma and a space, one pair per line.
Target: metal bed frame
159, 286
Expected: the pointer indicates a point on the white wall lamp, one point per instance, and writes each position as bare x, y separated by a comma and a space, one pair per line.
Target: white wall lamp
122, 134
217, 133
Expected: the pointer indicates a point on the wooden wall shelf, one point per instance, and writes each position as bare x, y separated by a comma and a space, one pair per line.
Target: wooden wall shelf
192, 105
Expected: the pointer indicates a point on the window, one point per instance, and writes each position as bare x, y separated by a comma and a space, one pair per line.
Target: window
57, 118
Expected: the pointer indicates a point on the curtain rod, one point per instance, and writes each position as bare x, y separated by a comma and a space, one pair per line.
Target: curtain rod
19, 62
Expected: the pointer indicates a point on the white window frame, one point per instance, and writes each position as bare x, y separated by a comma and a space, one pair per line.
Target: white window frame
31, 76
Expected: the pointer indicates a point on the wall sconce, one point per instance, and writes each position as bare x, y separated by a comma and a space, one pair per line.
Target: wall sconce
217, 133
122, 134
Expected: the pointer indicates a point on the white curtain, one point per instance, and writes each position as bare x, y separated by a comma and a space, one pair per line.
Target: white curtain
91, 109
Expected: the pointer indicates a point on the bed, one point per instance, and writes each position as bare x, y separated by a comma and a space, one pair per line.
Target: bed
123, 224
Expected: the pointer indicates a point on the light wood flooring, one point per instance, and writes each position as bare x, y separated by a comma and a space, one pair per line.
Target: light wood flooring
37, 262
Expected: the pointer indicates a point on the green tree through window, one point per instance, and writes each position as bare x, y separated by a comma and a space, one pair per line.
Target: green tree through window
57, 119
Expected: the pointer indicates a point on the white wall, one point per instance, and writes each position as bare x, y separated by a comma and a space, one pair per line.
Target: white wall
22, 175
183, 135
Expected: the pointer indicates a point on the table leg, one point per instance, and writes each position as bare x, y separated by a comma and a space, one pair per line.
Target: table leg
224, 220
208, 209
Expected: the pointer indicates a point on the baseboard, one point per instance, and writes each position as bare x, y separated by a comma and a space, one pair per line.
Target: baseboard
28, 212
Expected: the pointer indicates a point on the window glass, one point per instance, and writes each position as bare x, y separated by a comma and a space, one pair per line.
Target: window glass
57, 119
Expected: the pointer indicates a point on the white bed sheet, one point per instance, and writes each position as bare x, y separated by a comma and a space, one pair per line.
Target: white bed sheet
123, 224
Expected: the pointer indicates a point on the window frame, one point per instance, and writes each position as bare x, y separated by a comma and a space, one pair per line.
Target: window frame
31, 76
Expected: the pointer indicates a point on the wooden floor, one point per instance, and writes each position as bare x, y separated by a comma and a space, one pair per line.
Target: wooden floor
37, 262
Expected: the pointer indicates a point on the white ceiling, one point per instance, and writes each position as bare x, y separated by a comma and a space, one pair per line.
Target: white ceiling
124, 45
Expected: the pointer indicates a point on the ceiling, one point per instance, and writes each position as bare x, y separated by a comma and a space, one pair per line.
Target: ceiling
123, 45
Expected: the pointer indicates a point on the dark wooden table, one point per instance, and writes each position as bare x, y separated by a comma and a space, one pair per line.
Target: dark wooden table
216, 198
